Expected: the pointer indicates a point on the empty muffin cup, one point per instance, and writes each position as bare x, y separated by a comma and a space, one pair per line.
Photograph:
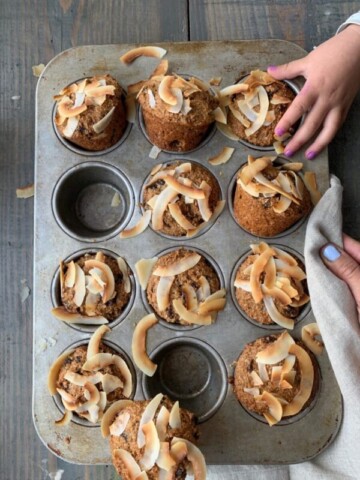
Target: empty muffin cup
110, 347
116, 310
92, 201
191, 371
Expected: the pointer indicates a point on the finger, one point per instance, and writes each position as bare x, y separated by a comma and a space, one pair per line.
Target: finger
311, 124
344, 267
352, 247
331, 125
287, 70
299, 106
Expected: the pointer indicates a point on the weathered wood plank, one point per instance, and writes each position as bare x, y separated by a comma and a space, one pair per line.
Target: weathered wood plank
32, 33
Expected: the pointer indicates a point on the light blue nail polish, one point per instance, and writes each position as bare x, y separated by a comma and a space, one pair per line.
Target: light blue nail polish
331, 253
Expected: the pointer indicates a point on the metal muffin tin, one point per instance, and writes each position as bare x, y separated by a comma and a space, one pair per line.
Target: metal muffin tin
195, 364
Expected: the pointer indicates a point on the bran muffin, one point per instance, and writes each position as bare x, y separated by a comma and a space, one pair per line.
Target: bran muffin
95, 285
184, 289
276, 377
265, 95
91, 113
90, 378
125, 430
177, 112
269, 199
183, 213
277, 292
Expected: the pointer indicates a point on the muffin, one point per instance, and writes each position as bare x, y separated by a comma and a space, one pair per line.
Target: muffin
270, 286
182, 287
177, 111
173, 195
156, 437
256, 106
89, 378
276, 377
95, 288
91, 113
270, 198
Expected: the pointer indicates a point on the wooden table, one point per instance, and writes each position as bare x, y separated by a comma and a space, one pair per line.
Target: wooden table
33, 32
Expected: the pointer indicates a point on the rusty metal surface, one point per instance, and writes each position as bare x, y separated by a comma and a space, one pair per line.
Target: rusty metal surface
229, 435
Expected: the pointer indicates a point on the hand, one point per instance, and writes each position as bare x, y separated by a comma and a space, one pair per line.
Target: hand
345, 264
332, 73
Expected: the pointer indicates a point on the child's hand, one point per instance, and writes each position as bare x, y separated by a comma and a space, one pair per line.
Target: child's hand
332, 73
345, 264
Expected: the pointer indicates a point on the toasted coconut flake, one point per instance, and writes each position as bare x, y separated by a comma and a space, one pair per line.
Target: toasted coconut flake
38, 69
71, 126
306, 382
194, 456
165, 460
292, 166
255, 189
285, 385
260, 119
278, 147
67, 109
111, 383
276, 351
257, 269
226, 130
263, 373
257, 382
216, 213
65, 419
152, 446
162, 201
156, 168
311, 185
107, 277
91, 393
275, 315
110, 414
201, 84
223, 157
308, 334
147, 416
293, 271
152, 101
203, 204
25, 192
282, 205
130, 109
120, 424
126, 374
285, 257
216, 81
125, 273
288, 364
98, 361
254, 391
154, 152
275, 407
138, 345
183, 189
166, 93
150, 51
80, 380
104, 122
186, 106
144, 269
247, 110
70, 276
270, 273
190, 297
116, 200
161, 69
55, 369
204, 290
234, 89
95, 340
129, 462
179, 217
179, 101
277, 294
100, 91
188, 316
276, 373
175, 419
178, 451
68, 317
162, 422
220, 115
138, 228
239, 116
163, 292
178, 267
213, 305
248, 172
279, 100
67, 398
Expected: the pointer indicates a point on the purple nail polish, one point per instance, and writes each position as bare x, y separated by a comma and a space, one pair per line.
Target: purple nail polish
311, 155
279, 132
272, 67
289, 153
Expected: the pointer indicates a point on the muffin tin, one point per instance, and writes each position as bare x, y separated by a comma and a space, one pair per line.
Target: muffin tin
73, 213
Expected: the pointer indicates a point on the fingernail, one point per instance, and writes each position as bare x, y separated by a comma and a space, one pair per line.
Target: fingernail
288, 153
311, 155
279, 131
330, 252
272, 67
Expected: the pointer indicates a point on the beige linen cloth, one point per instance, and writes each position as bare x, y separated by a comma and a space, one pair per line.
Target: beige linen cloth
335, 311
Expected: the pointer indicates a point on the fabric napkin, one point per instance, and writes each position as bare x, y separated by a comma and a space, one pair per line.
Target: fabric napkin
336, 314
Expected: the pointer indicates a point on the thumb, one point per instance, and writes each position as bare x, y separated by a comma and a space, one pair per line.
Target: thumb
343, 266
287, 70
